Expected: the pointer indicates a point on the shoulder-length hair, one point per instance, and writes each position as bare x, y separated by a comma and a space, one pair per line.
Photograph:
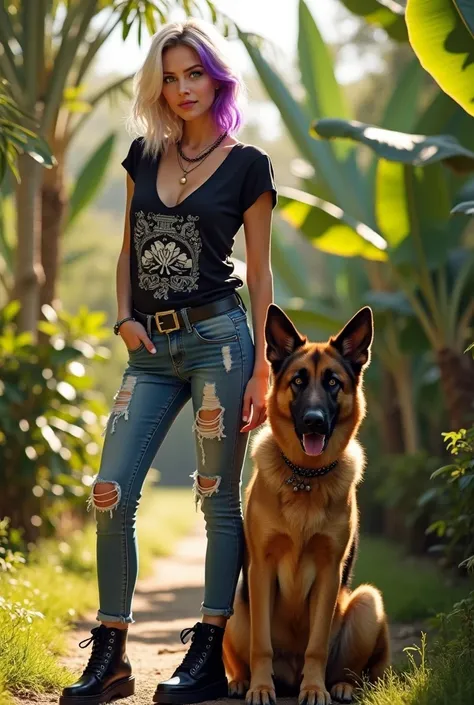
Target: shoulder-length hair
151, 115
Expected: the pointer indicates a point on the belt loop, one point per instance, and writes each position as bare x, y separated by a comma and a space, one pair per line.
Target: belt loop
148, 325
241, 301
184, 313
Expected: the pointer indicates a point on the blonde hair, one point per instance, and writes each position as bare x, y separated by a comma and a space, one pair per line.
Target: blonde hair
151, 115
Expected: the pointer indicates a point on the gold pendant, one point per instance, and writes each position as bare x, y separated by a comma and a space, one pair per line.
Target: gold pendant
183, 180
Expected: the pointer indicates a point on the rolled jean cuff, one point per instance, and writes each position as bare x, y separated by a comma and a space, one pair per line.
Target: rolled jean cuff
216, 612
103, 617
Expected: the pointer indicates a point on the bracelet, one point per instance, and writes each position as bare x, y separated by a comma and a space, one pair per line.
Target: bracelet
119, 323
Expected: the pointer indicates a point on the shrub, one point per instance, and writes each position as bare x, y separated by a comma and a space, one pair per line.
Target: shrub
51, 418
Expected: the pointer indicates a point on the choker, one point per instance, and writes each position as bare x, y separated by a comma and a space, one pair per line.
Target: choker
306, 473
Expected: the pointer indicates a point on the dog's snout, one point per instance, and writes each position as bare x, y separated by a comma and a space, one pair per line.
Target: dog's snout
315, 421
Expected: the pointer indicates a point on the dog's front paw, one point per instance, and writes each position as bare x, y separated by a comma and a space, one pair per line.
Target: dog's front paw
342, 692
237, 689
313, 695
261, 695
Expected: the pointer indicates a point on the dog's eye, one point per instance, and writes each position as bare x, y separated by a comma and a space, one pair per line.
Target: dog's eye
298, 381
333, 382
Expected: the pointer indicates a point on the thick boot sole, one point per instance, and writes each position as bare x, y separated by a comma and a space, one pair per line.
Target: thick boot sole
120, 689
210, 692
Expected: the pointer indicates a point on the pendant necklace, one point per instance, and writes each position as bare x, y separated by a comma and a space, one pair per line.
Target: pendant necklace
200, 158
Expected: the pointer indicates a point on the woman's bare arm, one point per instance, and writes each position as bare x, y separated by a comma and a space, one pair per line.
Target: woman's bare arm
123, 287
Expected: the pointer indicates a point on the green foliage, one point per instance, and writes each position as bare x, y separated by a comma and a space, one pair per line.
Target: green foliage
51, 417
441, 33
382, 13
454, 525
46, 590
402, 480
417, 150
435, 676
90, 179
16, 138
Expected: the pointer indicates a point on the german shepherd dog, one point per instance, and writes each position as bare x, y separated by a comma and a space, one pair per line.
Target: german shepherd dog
295, 617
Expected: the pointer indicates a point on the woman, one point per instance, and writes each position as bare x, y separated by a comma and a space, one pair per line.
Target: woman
190, 186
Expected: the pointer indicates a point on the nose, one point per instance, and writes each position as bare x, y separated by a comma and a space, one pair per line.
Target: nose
183, 87
315, 421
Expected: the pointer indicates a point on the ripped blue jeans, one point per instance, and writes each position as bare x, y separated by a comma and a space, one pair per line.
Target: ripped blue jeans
211, 362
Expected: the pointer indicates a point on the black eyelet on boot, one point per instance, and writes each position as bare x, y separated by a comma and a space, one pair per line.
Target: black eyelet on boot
108, 675
201, 674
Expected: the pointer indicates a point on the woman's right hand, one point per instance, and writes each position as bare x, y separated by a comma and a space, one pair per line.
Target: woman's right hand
133, 333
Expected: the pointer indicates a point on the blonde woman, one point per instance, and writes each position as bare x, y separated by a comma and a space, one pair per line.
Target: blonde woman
190, 186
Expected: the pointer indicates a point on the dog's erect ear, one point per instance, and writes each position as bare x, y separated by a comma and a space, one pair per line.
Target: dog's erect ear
355, 339
281, 336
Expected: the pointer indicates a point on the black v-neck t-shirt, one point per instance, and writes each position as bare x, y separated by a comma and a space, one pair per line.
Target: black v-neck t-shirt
180, 255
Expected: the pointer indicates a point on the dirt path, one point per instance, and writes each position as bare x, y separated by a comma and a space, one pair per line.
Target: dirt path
164, 604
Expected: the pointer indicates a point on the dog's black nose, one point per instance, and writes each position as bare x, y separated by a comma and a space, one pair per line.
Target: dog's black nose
315, 421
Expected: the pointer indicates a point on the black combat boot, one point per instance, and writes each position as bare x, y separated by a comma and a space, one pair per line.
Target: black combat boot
201, 675
108, 675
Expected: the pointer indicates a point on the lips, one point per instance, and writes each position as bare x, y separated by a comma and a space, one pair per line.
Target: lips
313, 443
188, 104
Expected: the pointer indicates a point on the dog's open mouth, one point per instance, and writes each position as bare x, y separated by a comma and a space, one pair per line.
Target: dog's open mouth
313, 443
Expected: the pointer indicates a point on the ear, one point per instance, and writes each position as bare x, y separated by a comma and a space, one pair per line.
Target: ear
355, 339
281, 336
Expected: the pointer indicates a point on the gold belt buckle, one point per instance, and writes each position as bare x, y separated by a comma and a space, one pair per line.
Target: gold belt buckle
167, 313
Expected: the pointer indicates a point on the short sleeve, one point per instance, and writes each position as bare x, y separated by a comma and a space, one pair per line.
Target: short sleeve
259, 179
130, 163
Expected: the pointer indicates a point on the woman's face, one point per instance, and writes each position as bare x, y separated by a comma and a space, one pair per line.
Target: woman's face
187, 88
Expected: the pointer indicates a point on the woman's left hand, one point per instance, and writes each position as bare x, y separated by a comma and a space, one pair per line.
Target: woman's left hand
254, 400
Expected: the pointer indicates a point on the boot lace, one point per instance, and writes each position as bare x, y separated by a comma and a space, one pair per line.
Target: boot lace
199, 649
100, 656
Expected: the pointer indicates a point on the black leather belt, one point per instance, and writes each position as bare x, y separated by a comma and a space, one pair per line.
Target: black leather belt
168, 321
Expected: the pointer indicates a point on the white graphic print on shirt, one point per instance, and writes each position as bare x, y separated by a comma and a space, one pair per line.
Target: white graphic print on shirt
168, 249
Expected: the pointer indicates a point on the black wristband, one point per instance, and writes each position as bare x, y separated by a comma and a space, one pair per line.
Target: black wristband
119, 323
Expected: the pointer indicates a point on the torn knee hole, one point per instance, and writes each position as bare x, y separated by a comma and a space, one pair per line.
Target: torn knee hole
105, 496
205, 486
209, 421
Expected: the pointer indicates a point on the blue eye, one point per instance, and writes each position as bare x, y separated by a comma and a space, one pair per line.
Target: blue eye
168, 79
196, 73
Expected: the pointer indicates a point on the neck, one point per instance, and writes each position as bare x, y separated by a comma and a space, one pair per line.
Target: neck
199, 133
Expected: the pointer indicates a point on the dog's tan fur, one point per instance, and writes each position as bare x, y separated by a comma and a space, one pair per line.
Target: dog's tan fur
299, 622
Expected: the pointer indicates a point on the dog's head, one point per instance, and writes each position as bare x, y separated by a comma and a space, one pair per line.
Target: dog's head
316, 400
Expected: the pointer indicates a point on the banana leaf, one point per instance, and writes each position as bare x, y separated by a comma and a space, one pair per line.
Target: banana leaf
382, 13
418, 150
329, 228
441, 33
90, 179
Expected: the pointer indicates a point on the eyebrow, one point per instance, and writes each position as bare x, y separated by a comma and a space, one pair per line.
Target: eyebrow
186, 70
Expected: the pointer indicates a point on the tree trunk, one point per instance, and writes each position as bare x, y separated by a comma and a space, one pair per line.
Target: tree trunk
409, 418
54, 203
391, 425
29, 275
457, 382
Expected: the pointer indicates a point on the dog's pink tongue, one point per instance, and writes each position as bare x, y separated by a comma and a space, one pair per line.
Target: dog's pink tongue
313, 443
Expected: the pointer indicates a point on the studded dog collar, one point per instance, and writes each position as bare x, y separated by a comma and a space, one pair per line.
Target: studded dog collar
306, 473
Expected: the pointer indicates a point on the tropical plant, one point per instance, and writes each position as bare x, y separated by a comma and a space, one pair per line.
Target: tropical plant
388, 14
365, 221
50, 417
454, 525
15, 138
441, 33
48, 51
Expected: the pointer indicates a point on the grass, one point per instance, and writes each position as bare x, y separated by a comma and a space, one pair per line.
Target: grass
442, 675
413, 588
41, 600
